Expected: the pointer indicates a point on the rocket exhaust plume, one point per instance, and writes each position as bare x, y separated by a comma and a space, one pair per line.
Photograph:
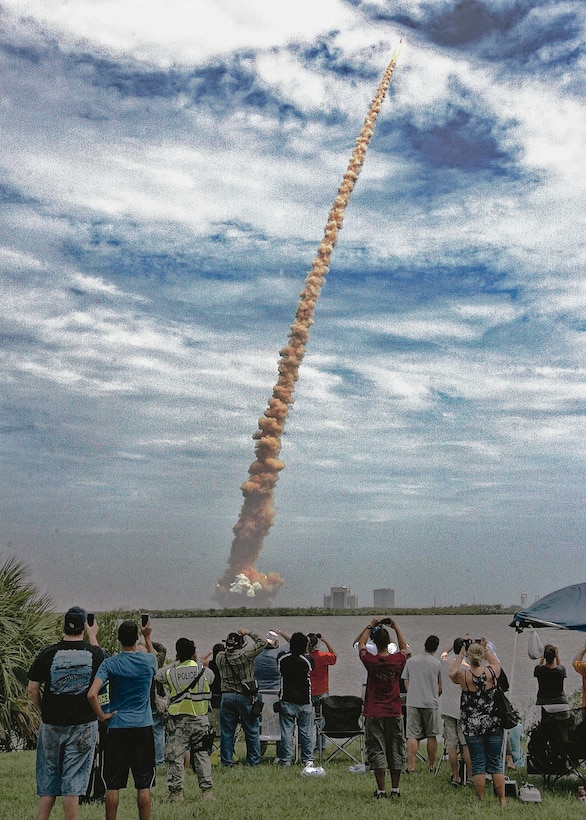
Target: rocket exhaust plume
242, 583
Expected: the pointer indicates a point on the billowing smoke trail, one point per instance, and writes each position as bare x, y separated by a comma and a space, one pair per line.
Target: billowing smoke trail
242, 583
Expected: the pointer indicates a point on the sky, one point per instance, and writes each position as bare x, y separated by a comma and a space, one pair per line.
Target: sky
167, 170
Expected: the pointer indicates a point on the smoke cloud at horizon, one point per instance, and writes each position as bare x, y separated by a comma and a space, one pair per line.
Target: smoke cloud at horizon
241, 579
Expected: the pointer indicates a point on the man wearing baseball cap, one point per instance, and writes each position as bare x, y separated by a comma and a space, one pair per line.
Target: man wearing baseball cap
58, 682
239, 688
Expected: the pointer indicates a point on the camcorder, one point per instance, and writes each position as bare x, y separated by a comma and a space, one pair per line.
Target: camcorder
379, 625
468, 641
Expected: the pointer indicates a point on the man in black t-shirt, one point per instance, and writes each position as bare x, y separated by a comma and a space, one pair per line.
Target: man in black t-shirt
296, 707
58, 682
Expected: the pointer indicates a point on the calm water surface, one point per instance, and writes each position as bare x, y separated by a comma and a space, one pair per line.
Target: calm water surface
341, 632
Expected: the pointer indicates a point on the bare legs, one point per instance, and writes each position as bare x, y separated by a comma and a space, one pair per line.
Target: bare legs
498, 780
413, 747
143, 801
70, 806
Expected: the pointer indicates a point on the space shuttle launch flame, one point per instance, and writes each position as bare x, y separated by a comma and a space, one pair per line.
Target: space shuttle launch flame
242, 582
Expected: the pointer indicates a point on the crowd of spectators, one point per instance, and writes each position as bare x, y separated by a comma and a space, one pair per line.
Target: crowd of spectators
151, 711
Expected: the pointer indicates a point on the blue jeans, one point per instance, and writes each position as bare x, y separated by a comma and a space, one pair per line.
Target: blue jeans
234, 707
319, 720
159, 734
486, 752
302, 715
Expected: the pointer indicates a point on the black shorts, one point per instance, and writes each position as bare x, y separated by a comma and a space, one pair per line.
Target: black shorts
129, 749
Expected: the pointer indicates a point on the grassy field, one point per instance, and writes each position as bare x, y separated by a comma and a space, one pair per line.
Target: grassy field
268, 792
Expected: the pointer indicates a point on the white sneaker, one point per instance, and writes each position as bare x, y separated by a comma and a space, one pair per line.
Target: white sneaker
309, 770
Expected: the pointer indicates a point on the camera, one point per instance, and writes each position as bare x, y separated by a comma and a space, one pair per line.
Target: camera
144, 618
386, 621
90, 619
466, 643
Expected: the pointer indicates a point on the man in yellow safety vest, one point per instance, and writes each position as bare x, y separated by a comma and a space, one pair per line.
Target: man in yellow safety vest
188, 686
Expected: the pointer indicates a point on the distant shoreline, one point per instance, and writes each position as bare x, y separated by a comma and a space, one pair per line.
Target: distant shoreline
282, 612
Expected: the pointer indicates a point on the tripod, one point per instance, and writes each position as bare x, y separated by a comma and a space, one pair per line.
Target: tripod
461, 766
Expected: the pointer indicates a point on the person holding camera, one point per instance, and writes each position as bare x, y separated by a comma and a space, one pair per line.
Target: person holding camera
58, 683
383, 718
239, 690
295, 709
320, 678
130, 743
188, 685
449, 701
479, 716
422, 677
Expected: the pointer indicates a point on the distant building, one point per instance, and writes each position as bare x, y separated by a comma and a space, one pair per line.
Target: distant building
523, 600
384, 598
340, 598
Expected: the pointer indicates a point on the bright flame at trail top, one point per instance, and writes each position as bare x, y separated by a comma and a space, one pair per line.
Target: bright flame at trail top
241, 578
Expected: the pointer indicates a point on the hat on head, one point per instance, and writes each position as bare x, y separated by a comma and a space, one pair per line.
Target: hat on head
75, 619
185, 649
234, 640
272, 639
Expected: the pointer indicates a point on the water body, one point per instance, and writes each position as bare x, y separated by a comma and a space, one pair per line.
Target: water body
341, 631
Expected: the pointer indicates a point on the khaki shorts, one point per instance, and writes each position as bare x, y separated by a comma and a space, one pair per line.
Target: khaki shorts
422, 723
385, 743
453, 735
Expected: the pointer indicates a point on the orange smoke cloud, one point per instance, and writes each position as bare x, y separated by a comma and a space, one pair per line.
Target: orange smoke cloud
258, 512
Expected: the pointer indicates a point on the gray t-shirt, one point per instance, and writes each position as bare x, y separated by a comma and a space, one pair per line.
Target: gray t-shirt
451, 695
422, 672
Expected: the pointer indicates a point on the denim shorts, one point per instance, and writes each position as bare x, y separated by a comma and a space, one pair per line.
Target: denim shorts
486, 752
65, 755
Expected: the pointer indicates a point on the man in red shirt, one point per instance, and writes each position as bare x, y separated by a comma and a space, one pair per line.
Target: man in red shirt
383, 719
320, 679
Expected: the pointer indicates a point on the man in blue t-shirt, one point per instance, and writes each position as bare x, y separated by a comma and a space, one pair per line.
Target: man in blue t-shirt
129, 742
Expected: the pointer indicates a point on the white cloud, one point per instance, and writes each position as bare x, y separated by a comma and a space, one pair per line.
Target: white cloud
183, 31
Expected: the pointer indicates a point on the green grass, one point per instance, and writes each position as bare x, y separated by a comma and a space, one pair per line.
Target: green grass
274, 793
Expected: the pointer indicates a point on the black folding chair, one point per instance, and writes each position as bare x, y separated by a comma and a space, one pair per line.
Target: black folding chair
342, 723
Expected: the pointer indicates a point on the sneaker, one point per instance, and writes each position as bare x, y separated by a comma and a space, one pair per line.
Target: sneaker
456, 783
309, 770
395, 793
379, 795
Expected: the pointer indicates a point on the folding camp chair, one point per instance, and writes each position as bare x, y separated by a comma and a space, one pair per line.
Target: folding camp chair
270, 728
342, 723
